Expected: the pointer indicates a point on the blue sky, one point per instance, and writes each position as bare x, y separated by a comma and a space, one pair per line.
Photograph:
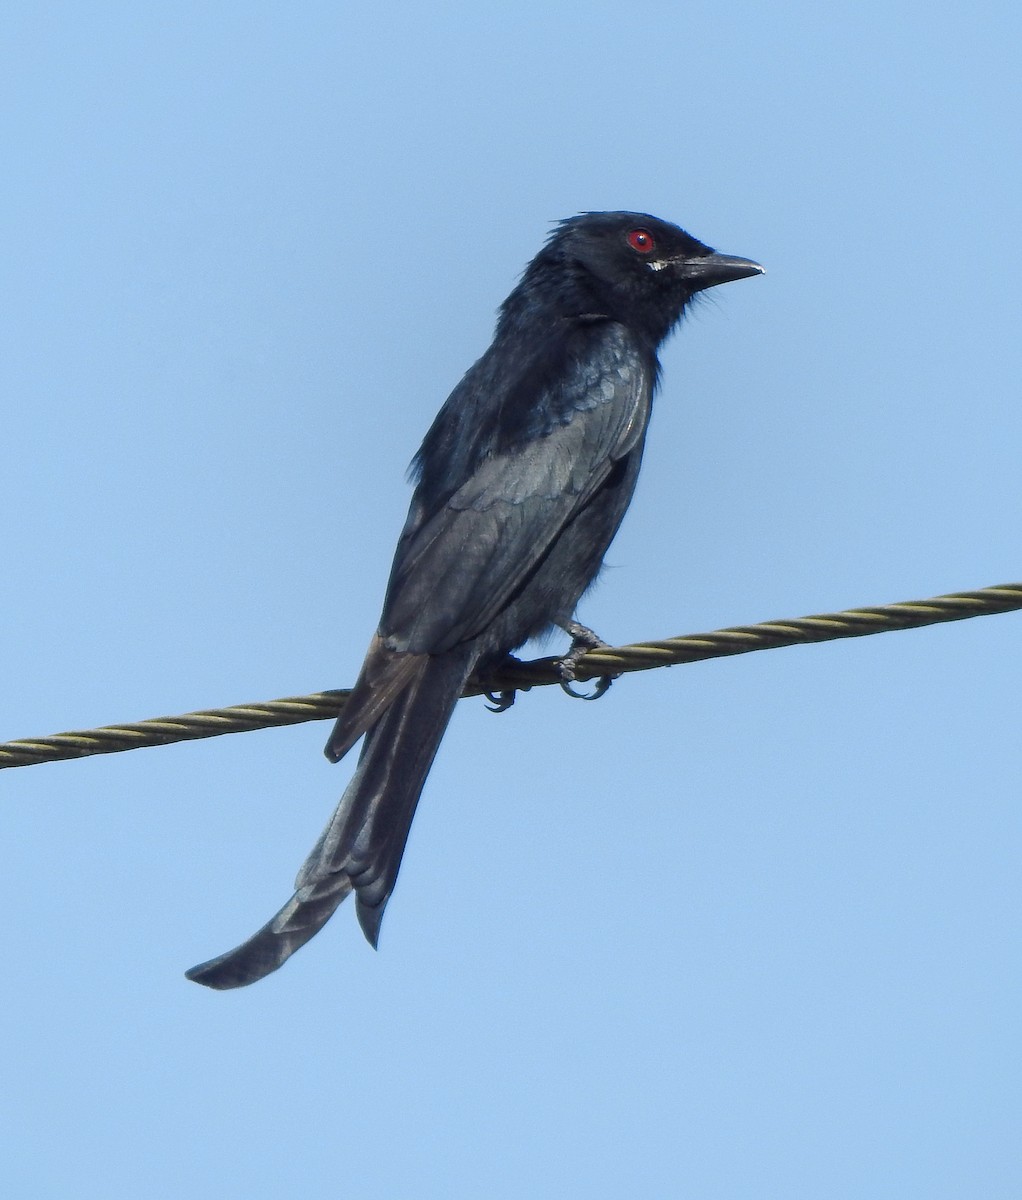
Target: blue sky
745, 928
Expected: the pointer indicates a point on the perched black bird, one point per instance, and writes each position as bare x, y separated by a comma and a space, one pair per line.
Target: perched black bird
522, 482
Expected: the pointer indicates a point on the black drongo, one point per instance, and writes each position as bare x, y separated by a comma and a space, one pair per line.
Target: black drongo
521, 484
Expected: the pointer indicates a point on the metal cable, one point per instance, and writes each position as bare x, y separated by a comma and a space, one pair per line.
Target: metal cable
609, 660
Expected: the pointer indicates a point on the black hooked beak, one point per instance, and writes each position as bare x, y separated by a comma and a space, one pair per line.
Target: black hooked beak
711, 269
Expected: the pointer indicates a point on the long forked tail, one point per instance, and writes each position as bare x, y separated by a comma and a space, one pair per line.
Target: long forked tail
360, 850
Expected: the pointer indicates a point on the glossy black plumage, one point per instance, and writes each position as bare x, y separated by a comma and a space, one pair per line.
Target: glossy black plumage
521, 484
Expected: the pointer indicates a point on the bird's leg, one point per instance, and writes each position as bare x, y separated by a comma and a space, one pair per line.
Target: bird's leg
582, 641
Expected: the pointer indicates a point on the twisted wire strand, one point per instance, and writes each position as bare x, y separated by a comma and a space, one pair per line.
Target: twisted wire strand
608, 660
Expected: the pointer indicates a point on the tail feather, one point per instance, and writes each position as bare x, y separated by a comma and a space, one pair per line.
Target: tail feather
383, 677
301, 918
361, 848
366, 836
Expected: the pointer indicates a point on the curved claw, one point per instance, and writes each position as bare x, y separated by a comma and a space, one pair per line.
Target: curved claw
501, 701
601, 688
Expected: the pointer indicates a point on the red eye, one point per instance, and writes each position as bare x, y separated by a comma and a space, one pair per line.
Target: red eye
641, 240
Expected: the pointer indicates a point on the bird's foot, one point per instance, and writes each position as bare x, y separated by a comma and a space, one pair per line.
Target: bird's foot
500, 701
503, 698
582, 641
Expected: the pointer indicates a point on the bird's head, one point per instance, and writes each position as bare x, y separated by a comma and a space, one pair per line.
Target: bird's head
636, 268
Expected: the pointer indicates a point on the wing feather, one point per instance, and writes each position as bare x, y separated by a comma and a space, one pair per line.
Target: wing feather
457, 568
